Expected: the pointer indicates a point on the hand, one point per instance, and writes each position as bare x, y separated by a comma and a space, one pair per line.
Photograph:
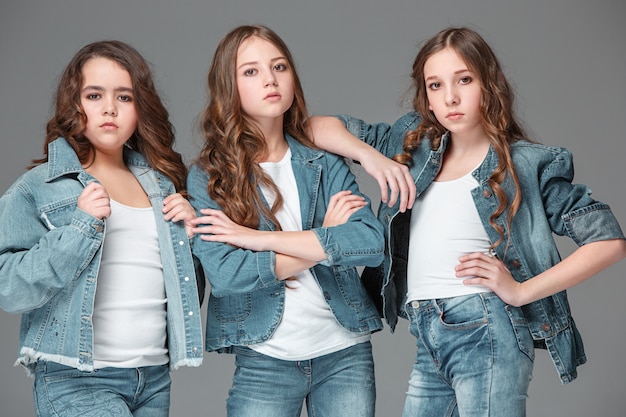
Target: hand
215, 226
177, 208
94, 200
490, 272
341, 206
394, 179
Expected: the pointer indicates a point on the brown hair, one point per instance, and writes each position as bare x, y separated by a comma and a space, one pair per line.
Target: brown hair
496, 108
233, 143
154, 136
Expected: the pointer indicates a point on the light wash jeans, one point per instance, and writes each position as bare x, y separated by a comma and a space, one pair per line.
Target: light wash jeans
474, 358
62, 391
339, 384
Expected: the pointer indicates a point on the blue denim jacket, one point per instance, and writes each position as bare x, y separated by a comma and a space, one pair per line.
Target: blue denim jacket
247, 300
550, 204
50, 254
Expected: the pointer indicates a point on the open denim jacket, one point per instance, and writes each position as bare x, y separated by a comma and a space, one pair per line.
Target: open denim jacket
550, 204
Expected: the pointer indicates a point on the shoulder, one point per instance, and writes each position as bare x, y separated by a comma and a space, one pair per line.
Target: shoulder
532, 158
536, 153
409, 121
196, 173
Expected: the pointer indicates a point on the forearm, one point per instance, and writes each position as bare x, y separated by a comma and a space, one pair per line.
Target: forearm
585, 262
301, 244
330, 134
288, 266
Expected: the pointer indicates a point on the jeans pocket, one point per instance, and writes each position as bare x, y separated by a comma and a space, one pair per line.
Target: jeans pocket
521, 330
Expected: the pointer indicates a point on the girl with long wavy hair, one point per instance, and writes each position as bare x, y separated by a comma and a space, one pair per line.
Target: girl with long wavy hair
281, 228
94, 246
471, 214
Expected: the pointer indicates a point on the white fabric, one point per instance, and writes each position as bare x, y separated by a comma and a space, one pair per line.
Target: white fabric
129, 316
308, 328
444, 226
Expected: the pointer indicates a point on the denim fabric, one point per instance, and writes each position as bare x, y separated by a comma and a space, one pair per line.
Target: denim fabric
246, 300
108, 392
50, 255
474, 358
551, 205
335, 385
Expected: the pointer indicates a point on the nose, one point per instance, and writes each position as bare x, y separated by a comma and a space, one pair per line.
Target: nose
452, 98
109, 108
270, 80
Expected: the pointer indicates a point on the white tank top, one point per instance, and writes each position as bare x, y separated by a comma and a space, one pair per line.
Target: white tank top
308, 327
445, 225
129, 316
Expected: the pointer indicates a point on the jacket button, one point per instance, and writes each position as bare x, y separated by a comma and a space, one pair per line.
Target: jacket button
97, 228
515, 263
486, 193
545, 327
326, 295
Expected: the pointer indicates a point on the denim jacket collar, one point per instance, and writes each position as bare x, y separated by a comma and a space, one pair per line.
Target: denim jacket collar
62, 160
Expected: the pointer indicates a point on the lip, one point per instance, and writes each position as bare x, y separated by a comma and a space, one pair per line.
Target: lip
454, 115
273, 96
108, 125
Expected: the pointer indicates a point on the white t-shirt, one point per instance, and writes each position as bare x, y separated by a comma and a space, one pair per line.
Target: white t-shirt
445, 225
308, 327
129, 317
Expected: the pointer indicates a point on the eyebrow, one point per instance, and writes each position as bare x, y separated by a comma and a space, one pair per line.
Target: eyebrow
278, 58
99, 88
455, 73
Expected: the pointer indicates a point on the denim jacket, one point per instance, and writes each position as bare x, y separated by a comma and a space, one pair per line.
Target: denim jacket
247, 300
50, 253
550, 204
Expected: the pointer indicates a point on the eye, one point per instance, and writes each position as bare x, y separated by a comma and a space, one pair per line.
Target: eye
92, 96
280, 67
249, 72
125, 98
434, 85
465, 80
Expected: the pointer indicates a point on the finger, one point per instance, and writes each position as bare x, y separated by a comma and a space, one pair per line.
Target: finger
382, 184
393, 190
412, 190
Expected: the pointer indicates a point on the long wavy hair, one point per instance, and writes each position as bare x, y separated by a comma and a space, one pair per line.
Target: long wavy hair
154, 135
233, 144
496, 105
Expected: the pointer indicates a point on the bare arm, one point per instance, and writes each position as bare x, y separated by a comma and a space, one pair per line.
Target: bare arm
295, 251
582, 264
394, 179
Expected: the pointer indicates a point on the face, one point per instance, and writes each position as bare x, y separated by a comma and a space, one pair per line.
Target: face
264, 80
454, 93
107, 99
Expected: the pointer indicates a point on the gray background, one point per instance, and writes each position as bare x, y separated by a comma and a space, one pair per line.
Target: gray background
566, 60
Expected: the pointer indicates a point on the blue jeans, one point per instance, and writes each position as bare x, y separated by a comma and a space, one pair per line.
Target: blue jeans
62, 391
335, 385
474, 358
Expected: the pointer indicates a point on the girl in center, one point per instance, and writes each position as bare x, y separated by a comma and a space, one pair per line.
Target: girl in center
281, 228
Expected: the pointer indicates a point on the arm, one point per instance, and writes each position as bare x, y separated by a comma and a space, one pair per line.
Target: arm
569, 210
295, 251
38, 258
582, 264
394, 179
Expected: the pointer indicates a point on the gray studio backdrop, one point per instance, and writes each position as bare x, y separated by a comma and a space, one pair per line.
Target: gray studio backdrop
566, 60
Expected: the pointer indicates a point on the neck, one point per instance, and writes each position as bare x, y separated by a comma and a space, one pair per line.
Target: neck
100, 161
275, 142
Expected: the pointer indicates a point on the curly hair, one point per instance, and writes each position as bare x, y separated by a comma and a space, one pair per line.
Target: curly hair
154, 136
497, 113
233, 143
